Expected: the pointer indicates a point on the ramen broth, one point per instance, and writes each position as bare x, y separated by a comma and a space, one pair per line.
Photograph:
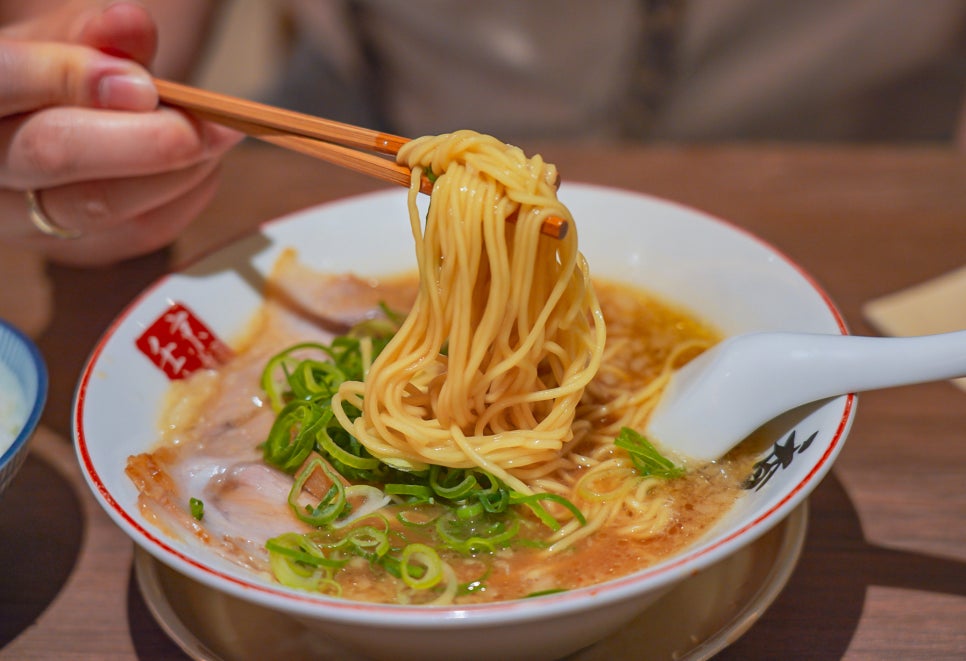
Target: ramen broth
215, 421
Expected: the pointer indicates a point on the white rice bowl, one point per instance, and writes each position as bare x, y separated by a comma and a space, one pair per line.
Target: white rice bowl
23, 393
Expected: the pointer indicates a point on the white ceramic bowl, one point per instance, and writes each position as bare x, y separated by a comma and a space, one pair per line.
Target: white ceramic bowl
23, 387
722, 273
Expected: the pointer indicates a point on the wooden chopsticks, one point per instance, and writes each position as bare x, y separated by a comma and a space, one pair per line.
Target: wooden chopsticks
335, 142
326, 139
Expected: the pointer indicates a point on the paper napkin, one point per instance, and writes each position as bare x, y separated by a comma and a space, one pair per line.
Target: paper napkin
934, 306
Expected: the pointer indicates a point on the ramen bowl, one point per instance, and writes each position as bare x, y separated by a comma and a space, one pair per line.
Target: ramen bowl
722, 274
23, 392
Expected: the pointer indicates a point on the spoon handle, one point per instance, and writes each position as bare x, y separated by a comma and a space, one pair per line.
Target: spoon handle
828, 365
723, 395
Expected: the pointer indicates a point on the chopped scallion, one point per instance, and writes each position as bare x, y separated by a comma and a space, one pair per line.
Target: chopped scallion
197, 508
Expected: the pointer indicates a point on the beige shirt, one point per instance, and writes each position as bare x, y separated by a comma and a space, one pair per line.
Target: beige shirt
742, 69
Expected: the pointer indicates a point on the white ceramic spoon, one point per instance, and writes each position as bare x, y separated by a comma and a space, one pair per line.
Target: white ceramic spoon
719, 398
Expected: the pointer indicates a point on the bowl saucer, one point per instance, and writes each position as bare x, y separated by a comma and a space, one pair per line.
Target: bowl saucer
695, 620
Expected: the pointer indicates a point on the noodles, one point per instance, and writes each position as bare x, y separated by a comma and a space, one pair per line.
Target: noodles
505, 333
493, 367
451, 454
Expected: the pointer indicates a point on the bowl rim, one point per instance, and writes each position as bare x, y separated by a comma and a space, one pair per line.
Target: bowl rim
465, 615
37, 405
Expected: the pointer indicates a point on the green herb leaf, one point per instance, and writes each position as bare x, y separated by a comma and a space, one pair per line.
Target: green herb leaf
197, 508
648, 461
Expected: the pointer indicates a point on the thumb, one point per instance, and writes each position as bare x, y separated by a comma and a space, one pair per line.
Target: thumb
37, 75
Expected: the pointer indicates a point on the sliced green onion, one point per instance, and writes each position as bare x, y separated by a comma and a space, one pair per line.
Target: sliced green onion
469, 511
476, 539
395, 317
374, 328
533, 502
544, 593
418, 492
283, 360
302, 550
452, 483
315, 380
197, 508
332, 505
417, 517
424, 561
330, 587
392, 565
297, 562
332, 449
292, 436
365, 501
472, 587
495, 498
369, 541
291, 575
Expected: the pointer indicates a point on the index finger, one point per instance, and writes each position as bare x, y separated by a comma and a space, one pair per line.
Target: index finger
35, 75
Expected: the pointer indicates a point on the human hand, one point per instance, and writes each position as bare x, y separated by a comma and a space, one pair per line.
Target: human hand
81, 128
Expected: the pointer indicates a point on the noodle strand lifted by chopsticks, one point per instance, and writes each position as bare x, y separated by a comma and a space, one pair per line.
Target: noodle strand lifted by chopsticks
489, 366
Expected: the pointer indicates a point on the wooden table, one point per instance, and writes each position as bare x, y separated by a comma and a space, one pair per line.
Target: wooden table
883, 571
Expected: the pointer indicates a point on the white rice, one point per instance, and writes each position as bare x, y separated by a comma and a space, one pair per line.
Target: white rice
13, 408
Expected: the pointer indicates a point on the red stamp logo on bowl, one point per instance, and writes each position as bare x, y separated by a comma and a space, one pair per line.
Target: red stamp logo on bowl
179, 343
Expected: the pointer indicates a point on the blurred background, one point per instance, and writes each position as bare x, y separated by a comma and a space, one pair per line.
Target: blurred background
248, 47
823, 70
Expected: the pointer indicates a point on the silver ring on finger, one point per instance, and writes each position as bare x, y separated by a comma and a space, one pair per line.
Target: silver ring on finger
42, 221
